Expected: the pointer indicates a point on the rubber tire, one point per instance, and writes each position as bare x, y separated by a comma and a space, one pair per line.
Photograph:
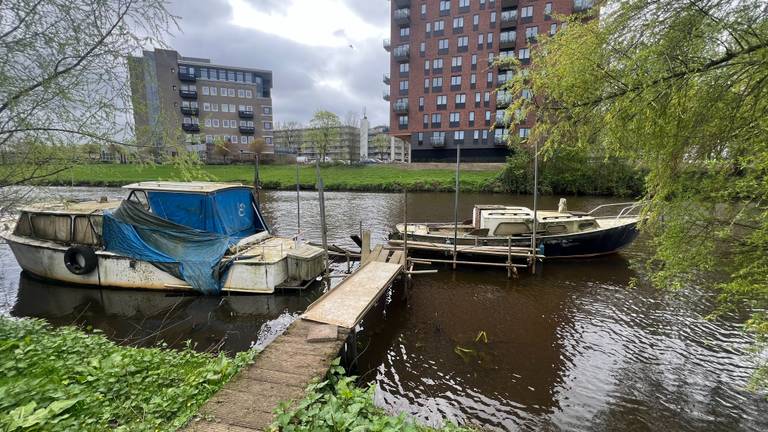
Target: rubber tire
88, 257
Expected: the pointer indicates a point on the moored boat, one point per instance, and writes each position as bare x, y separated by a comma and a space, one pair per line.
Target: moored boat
206, 237
504, 232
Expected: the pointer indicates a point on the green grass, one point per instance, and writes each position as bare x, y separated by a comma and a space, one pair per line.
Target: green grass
66, 380
348, 178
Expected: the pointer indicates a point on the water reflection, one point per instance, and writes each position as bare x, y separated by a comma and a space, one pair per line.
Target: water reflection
144, 318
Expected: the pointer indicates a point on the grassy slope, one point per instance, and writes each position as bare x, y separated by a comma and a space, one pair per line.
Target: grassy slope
364, 178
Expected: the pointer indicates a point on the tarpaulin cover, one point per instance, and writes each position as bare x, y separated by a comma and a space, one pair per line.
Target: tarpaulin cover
192, 251
229, 212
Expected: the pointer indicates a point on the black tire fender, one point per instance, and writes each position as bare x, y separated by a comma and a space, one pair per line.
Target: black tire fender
80, 260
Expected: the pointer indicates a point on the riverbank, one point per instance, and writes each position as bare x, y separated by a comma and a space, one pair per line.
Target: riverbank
65, 379
370, 178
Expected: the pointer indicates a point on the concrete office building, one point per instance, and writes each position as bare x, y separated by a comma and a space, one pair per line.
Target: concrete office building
186, 102
442, 78
346, 148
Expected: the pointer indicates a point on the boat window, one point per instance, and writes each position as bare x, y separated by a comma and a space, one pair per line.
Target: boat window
51, 227
511, 228
587, 225
556, 229
87, 230
140, 197
23, 226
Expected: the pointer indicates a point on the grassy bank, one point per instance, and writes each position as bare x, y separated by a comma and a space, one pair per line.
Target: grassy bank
383, 178
64, 379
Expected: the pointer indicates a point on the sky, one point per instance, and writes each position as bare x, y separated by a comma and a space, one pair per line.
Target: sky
324, 54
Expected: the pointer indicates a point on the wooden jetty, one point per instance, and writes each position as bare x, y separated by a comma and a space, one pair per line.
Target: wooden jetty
284, 369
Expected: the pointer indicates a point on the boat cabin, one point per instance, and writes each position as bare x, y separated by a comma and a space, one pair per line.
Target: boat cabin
502, 221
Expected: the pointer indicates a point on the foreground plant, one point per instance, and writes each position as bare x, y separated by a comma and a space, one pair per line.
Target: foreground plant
64, 379
337, 404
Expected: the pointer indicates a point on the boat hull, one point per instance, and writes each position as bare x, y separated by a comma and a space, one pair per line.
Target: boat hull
577, 245
46, 260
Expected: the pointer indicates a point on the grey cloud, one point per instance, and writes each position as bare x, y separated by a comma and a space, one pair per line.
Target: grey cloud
297, 68
375, 12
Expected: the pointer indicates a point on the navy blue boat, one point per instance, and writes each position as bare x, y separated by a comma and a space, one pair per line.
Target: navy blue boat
498, 231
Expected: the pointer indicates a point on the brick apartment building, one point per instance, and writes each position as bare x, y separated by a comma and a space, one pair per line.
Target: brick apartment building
442, 80
214, 110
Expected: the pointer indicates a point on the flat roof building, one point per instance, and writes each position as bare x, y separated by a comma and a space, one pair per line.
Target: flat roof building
442, 79
185, 102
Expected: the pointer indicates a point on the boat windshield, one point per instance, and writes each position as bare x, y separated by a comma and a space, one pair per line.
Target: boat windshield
230, 212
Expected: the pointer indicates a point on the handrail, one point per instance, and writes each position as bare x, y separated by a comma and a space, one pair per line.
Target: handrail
630, 204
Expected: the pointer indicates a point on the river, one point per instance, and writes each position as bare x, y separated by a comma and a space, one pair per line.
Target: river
584, 345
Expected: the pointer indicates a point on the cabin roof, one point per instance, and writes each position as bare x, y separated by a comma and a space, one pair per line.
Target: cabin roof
193, 187
70, 207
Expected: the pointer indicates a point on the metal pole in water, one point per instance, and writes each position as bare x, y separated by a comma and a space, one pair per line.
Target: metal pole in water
535, 203
456, 206
298, 196
323, 228
405, 226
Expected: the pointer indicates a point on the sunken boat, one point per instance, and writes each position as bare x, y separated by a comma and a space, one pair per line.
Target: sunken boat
506, 232
199, 236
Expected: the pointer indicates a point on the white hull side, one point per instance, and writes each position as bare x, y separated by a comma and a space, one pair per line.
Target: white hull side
46, 260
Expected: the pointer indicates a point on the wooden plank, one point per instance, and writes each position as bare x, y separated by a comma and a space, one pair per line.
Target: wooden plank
383, 256
397, 257
374, 254
346, 304
365, 247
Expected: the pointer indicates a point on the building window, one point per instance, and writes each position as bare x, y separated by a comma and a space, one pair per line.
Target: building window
456, 63
240, 93
458, 23
405, 31
445, 7
531, 33
206, 106
461, 99
552, 29
458, 136
249, 94
524, 53
214, 91
480, 39
428, 29
490, 77
524, 132
493, 17
423, 9
526, 12
547, 10
476, 20
207, 122
487, 97
454, 119
422, 48
437, 119
437, 65
215, 107
224, 107
403, 85
471, 116
225, 123
223, 91
267, 110
474, 59
206, 91
463, 3
231, 92
439, 27
402, 120
441, 101
473, 79
267, 125
442, 46
456, 82
477, 98
426, 121
463, 42
426, 83
421, 102
437, 83
420, 138
215, 123
526, 94
404, 68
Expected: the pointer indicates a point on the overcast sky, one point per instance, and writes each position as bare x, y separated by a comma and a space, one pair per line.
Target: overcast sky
324, 54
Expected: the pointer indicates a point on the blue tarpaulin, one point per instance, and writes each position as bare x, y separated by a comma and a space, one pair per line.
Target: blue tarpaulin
185, 234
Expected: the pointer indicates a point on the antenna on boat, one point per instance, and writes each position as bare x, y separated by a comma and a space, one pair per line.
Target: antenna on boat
535, 203
298, 197
456, 205
323, 227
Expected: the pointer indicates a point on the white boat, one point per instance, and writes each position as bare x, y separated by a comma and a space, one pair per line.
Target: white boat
208, 237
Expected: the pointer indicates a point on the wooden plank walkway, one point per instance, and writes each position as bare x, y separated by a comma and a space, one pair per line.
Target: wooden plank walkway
302, 354
280, 373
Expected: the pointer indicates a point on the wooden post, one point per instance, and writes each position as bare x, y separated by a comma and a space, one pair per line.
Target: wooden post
323, 226
535, 204
298, 196
509, 257
365, 249
456, 206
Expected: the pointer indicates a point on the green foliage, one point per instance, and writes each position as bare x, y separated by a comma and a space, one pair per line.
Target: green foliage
324, 132
680, 87
337, 404
572, 173
64, 379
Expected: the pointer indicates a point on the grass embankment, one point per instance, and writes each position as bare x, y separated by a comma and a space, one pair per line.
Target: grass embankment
339, 405
382, 178
64, 379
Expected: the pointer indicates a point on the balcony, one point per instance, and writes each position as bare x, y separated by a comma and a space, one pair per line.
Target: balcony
402, 3
508, 3
582, 5
387, 44
503, 100
501, 140
437, 141
401, 16
507, 40
193, 111
402, 53
245, 114
509, 18
187, 77
386, 95
502, 120
386, 79
400, 106
190, 127
247, 130
188, 94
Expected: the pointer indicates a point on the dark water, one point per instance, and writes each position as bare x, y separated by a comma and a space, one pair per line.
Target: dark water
583, 345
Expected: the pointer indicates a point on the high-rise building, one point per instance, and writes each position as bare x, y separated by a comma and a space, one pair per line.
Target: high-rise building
214, 110
442, 79
345, 146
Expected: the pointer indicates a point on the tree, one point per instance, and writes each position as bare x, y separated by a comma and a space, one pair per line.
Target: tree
380, 145
290, 133
324, 131
63, 79
224, 148
680, 88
